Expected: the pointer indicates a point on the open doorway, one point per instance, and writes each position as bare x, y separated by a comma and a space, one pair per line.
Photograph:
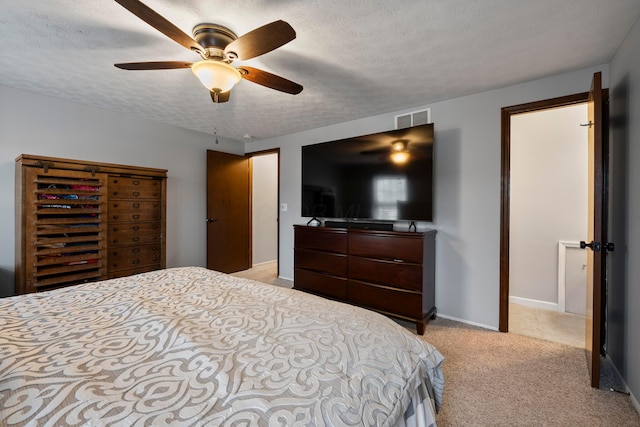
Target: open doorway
264, 214
549, 196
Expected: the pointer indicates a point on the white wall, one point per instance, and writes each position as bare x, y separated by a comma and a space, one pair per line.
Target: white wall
623, 312
265, 208
548, 197
467, 193
40, 125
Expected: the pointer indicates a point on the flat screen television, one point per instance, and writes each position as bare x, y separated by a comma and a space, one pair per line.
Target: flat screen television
363, 178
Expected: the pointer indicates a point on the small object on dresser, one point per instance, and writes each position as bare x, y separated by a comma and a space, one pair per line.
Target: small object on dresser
314, 222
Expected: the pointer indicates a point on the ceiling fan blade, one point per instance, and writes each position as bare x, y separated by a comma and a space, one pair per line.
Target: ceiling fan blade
158, 65
218, 97
160, 23
269, 80
261, 40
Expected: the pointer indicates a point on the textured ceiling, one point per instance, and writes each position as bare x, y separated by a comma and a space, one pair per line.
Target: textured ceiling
354, 58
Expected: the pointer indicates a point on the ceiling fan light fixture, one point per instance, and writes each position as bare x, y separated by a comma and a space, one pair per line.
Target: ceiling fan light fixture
398, 146
399, 157
217, 76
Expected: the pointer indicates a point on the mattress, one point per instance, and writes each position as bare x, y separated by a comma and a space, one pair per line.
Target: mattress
194, 347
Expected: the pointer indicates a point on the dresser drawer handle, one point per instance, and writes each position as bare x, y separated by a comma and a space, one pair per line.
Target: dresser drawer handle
136, 193
136, 182
135, 250
155, 205
154, 216
136, 205
115, 264
155, 194
115, 240
135, 228
154, 259
114, 253
153, 227
115, 181
136, 239
136, 217
115, 205
115, 229
135, 261
115, 193
115, 217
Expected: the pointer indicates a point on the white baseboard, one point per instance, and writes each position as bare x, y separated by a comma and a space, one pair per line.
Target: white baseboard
545, 305
480, 325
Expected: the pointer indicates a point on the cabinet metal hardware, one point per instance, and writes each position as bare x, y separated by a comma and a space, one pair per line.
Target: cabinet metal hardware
212, 219
44, 165
92, 169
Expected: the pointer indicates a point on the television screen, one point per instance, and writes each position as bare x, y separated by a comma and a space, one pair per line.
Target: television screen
386, 176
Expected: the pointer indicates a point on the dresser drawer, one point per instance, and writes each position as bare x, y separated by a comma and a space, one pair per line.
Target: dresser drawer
388, 273
134, 257
131, 271
406, 247
323, 262
322, 239
134, 210
401, 303
134, 233
318, 283
134, 188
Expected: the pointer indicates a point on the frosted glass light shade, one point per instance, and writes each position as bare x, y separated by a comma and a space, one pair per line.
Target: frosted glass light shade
216, 76
399, 157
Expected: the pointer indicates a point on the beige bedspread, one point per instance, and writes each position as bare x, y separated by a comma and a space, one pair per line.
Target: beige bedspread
193, 347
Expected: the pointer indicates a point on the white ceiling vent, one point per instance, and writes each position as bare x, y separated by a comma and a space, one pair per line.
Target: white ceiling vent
416, 118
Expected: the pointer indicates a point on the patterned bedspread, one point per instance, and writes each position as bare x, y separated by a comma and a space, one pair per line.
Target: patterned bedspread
194, 347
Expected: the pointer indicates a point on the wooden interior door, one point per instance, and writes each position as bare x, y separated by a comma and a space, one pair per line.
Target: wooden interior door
596, 256
228, 208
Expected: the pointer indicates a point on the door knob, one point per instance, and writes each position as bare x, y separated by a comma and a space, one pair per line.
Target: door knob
212, 219
594, 246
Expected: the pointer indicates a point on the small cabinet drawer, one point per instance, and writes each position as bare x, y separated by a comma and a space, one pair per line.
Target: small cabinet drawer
322, 239
389, 273
113, 274
390, 301
134, 210
134, 233
134, 188
323, 262
407, 248
321, 284
134, 257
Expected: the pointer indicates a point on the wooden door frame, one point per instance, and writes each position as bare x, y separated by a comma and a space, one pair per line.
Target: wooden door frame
505, 188
250, 155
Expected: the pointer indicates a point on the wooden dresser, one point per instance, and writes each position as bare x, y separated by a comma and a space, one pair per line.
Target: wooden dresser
135, 225
80, 221
387, 271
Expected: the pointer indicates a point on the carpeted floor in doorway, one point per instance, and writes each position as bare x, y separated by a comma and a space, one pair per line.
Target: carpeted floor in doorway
497, 379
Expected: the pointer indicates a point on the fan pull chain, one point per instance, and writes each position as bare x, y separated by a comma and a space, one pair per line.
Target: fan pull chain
215, 133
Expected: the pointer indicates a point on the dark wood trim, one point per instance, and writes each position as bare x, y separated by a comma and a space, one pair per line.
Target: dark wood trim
505, 183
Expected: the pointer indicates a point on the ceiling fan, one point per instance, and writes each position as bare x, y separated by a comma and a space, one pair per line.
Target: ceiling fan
218, 47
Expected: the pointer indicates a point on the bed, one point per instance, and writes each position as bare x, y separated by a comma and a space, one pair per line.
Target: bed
194, 347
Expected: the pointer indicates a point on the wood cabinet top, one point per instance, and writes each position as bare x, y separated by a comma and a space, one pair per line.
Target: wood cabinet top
370, 232
87, 165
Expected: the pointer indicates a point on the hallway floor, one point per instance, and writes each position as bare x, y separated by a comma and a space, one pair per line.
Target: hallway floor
566, 328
